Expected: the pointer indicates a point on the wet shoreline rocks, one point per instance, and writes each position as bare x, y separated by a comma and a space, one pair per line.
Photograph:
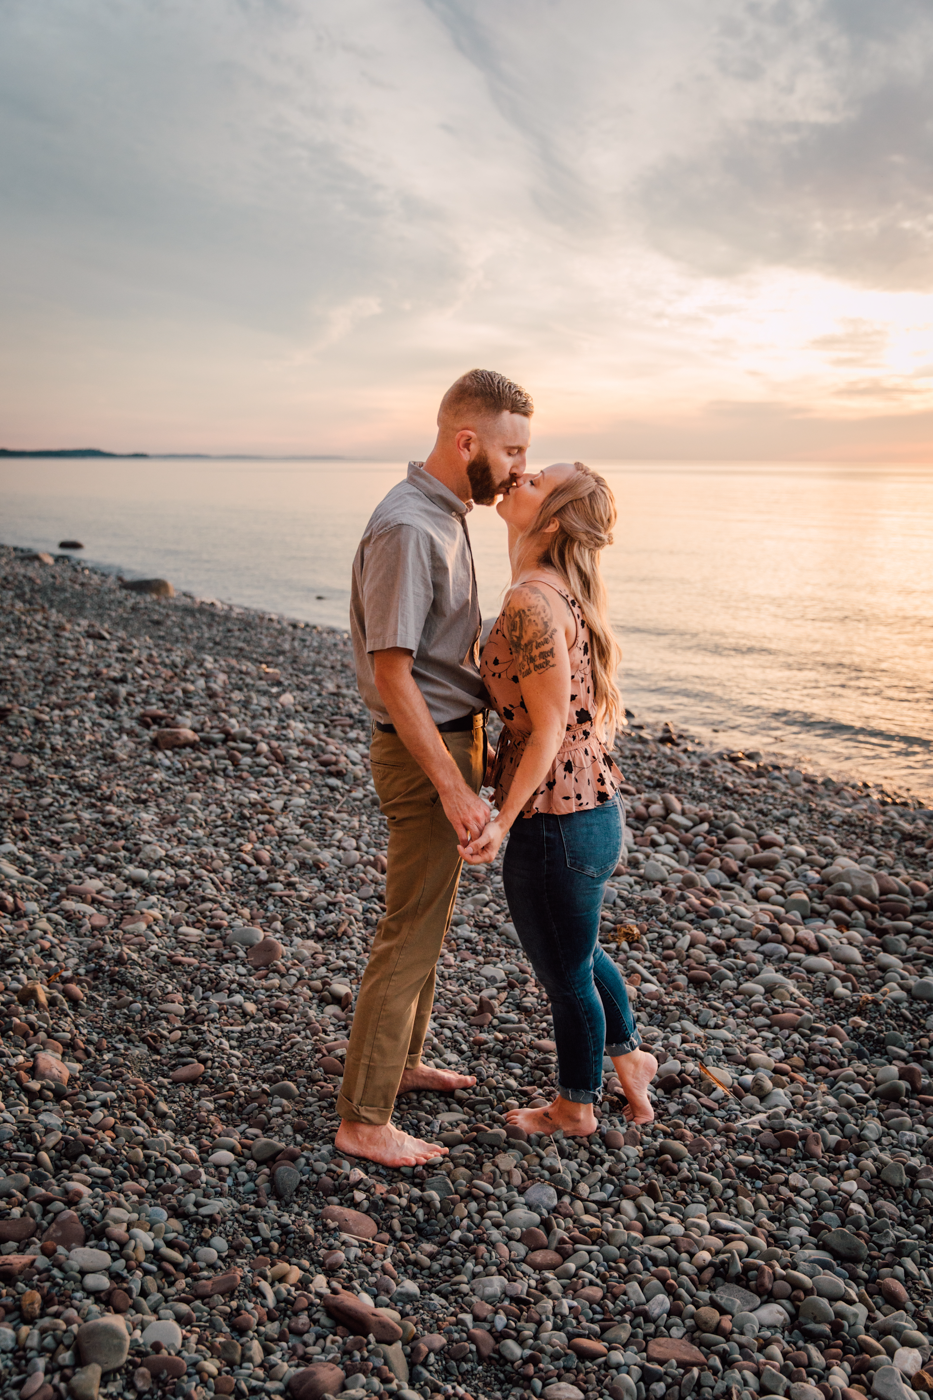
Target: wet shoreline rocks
182, 930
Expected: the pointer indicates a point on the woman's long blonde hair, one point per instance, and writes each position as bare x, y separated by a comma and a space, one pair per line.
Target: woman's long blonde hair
585, 510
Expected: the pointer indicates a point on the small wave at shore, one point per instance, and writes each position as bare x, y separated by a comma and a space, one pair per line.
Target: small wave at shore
780, 606
873, 753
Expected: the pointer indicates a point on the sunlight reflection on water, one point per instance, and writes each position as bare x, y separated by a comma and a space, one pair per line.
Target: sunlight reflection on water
782, 606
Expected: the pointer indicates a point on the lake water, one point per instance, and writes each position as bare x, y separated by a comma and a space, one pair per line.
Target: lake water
783, 607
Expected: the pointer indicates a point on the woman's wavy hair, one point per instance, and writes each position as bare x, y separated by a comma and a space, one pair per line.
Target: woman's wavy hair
585, 510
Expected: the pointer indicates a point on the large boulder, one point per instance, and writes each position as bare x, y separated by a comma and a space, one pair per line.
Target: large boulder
152, 587
323, 1378
104, 1342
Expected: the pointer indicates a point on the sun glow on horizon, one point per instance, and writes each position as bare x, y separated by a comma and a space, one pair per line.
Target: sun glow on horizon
690, 231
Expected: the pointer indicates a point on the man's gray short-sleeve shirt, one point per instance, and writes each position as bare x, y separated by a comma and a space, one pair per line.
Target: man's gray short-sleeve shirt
414, 587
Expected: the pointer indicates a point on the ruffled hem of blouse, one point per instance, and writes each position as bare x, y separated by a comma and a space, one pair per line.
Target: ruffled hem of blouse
592, 780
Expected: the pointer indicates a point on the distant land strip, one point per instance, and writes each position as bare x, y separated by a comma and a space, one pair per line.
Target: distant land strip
68, 452
170, 456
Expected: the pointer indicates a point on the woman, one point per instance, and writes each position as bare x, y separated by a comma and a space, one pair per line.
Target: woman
549, 666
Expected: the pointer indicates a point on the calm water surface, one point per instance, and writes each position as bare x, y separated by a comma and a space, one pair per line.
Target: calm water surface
786, 607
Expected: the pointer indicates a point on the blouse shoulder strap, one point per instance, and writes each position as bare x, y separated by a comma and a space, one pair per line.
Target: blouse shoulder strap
568, 598
549, 583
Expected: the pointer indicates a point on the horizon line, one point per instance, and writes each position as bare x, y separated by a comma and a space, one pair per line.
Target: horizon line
817, 459
91, 453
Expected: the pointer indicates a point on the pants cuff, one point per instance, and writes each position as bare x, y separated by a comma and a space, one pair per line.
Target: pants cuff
362, 1113
580, 1095
413, 1061
625, 1047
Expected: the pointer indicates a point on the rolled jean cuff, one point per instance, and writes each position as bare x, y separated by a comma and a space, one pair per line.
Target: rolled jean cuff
626, 1047
580, 1095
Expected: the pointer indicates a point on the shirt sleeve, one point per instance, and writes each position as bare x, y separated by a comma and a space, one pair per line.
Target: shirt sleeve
397, 588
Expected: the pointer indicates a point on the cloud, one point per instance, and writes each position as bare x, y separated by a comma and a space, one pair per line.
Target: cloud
830, 169
253, 224
204, 157
856, 344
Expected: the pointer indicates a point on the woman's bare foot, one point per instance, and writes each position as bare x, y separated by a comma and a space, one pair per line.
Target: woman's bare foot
636, 1071
381, 1142
427, 1077
576, 1119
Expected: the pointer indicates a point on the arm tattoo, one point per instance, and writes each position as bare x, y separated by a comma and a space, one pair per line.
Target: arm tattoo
530, 631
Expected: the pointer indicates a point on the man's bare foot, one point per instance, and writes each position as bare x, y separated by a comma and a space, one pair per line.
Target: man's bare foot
636, 1071
427, 1077
576, 1119
386, 1144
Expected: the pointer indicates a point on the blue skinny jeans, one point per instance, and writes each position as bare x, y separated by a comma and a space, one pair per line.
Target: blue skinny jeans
555, 871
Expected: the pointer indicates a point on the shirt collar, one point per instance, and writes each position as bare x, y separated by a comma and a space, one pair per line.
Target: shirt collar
435, 490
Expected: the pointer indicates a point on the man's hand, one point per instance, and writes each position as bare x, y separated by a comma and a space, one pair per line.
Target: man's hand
467, 813
484, 848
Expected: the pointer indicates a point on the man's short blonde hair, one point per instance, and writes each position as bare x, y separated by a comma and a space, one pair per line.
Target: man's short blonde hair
483, 393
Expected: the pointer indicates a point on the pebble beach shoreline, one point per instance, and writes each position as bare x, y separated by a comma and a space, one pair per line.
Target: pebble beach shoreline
191, 868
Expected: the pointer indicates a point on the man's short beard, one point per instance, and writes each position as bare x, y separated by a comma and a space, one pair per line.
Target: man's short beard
483, 484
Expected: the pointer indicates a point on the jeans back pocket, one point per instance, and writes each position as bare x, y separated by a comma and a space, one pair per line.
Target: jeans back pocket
592, 839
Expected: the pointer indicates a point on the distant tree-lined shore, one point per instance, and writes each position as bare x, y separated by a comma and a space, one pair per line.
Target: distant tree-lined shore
67, 452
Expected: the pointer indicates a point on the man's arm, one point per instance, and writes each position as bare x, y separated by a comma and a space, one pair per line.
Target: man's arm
465, 811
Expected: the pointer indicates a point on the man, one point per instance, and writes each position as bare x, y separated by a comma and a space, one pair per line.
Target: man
415, 622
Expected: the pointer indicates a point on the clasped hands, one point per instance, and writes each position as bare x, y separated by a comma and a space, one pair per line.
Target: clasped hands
483, 848
479, 831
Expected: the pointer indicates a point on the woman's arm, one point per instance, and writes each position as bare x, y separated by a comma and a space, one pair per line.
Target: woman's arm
536, 623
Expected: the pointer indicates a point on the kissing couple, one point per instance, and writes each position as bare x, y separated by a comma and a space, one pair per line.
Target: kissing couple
548, 669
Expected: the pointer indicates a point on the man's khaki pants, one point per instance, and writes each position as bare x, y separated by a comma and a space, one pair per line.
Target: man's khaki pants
394, 1004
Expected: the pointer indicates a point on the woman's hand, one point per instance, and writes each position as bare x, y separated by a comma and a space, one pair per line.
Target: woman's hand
483, 849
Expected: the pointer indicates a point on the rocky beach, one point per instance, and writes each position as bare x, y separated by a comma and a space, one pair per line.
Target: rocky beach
191, 868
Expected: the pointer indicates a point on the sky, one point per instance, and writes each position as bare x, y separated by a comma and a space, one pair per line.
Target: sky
695, 229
